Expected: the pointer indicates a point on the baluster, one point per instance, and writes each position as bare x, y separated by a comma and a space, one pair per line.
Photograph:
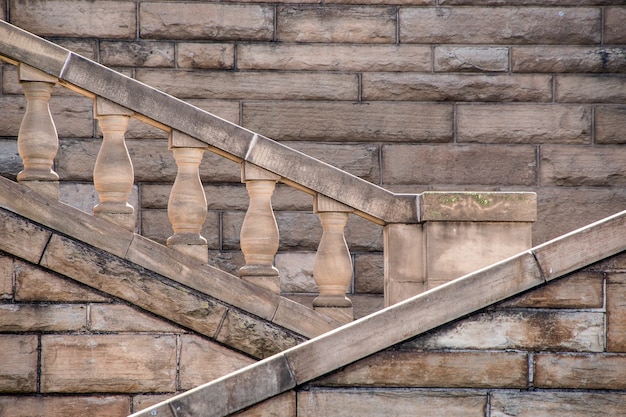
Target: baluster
113, 174
37, 140
187, 206
259, 232
332, 269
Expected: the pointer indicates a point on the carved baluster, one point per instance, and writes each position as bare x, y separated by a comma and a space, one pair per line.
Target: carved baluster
37, 140
259, 232
113, 174
332, 269
187, 206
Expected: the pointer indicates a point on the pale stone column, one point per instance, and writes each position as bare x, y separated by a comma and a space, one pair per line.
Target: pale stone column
404, 260
113, 174
332, 269
187, 205
37, 140
259, 236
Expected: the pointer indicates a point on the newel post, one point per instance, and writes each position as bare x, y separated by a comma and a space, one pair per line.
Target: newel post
332, 268
37, 140
187, 205
259, 236
113, 174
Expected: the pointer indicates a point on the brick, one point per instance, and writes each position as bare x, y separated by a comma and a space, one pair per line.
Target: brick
164, 20
296, 272
336, 24
460, 165
534, 330
43, 317
463, 87
531, 123
387, 402
102, 406
155, 225
591, 89
202, 361
368, 273
614, 25
18, 368
253, 85
283, 405
122, 318
35, 284
610, 125
557, 404
595, 371
567, 59
10, 161
616, 313
500, 25
206, 55
116, 19
108, 363
334, 57
335, 121
471, 59
6, 277
582, 166
137, 54
32, 239
434, 370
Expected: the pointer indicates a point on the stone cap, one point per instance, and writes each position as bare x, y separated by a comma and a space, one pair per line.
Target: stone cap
478, 206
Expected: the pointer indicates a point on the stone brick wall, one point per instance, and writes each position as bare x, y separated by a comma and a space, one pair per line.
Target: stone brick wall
414, 95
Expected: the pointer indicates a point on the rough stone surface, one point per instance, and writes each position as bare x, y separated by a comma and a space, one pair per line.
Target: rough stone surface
206, 55
137, 54
18, 368
570, 167
471, 59
594, 371
614, 25
122, 318
6, 277
557, 404
616, 313
590, 89
104, 406
610, 125
567, 59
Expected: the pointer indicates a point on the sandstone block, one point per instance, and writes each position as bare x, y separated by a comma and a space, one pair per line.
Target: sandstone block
366, 304
156, 226
76, 158
610, 125
471, 59
189, 20
614, 25
108, 363
137, 54
143, 401
6, 277
85, 47
206, 56
296, 271
283, 405
253, 85
18, 368
122, 318
10, 160
462, 87
460, 165
500, 25
336, 25
565, 58
616, 313
582, 166
102, 406
43, 317
557, 404
116, 19
595, 371
590, 89
334, 57
338, 121
13, 109
530, 123
368, 273
32, 239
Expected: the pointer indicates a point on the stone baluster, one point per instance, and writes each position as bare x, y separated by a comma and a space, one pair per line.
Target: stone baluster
113, 174
37, 140
259, 232
187, 206
332, 269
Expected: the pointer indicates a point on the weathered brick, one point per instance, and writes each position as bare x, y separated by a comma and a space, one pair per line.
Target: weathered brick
595, 371
334, 57
18, 367
6, 277
206, 55
137, 54
202, 21
536, 123
500, 25
335, 121
435, 370
610, 125
155, 225
464, 87
368, 273
471, 59
115, 19
568, 59
460, 165
32, 239
102, 406
253, 85
202, 361
582, 166
43, 317
108, 363
616, 313
389, 402
614, 32
122, 318
336, 24
591, 88
557, 404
